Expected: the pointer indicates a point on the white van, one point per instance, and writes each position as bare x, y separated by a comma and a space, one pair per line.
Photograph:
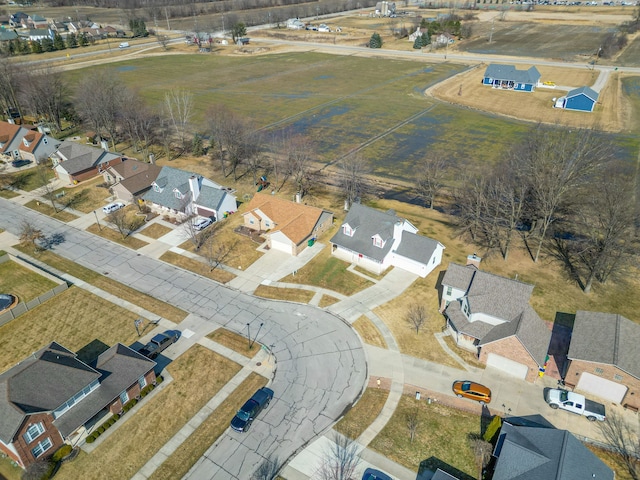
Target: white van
124, 45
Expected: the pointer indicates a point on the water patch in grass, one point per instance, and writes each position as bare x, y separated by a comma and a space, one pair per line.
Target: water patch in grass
126, 68
323, 77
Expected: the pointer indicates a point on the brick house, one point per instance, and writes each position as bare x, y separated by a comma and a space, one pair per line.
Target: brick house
288, 225
604, 357
131, 179
491, 316
376, 240
74, 162
53, 397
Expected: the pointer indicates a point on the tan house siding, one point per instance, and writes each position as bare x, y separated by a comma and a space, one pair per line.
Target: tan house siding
24, 449
512, 349
256, 225
609, 372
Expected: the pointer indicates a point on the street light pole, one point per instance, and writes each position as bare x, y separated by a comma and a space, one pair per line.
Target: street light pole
97, 221
250, 341
249, 335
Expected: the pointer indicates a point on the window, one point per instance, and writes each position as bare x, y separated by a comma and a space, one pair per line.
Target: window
45, 140
346, 229
617, 377
75, 399
449, 291
266, 223
124, 397
599, 371
377, 241
24, 141
251, 221
42, 447
142, 381
156, 188
178, 194
33, 432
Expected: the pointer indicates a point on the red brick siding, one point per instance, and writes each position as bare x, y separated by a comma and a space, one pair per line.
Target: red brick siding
133, 391
512, 349
577, 367
24, 449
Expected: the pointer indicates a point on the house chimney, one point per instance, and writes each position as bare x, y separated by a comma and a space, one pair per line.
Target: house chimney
105, 145
152, 159
194, 186
474, 260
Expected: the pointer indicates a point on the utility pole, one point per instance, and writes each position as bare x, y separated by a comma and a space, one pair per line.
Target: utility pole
166, 14
491, 34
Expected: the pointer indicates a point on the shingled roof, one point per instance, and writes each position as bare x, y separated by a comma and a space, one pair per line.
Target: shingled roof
137, 176
606, 338
416, 247
510, 73
76, 157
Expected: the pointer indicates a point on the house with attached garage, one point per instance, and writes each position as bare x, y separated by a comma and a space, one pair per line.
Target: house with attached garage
20, 142
53, 397
376, 240
581, 99
74, 162
604, 358
491, 316
131, 179
290, 227
507, 77
181, 194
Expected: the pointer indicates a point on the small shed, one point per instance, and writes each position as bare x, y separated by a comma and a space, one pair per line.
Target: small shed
507, 77
581, 99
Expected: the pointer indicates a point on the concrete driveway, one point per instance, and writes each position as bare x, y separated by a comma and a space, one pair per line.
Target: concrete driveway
321, 366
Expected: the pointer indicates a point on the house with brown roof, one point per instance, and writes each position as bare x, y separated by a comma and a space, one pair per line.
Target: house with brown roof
52, 397
491, 316
74, 162
288, 226
21, 142
131, 179
604, 357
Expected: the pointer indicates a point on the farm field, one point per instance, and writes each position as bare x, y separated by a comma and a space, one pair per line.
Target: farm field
631, 55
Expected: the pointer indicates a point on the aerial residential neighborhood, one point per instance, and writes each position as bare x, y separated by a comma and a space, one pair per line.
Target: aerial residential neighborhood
319, 241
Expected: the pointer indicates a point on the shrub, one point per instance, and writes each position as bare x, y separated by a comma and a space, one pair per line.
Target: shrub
159, 379
116, 417
111, 421
91, 438
492, 428
62, 452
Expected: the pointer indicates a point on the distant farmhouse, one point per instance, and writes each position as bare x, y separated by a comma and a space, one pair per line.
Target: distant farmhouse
581, 99
507, 77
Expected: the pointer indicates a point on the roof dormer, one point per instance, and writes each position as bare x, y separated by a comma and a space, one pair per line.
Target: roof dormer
378, 241
347, 230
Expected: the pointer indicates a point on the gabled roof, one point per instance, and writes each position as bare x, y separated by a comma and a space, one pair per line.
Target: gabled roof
295, 220
462, 325
40, 383
497, 296
527, 327
136, 176
592, 94
606, 338
458, 276
509, 72
416, 247
8, 133
77, 157
533, 453
7, 35
367, 222
39, 141
211, 197
442, 475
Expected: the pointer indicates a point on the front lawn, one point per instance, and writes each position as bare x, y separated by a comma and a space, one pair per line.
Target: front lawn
234, 341
47, 209
141, 435
369, 332
195, 266
22, 282
289, 294
155, 230
86, 197
358, 419
106, 231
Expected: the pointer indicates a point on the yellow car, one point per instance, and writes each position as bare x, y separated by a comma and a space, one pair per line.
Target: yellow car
551, 84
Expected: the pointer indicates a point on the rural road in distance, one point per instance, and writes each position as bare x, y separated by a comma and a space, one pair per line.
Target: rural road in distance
321, 366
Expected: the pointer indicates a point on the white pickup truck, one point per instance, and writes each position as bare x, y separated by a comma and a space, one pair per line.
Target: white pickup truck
575, 403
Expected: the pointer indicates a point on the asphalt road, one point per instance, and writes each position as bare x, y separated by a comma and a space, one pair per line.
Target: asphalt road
321, 367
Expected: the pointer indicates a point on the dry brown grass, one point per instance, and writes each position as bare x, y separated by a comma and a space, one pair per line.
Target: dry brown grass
155, 230
290, 294
233, 341
358, 419
21, 282
466, 89
327, 300
468, 357
115, 236
217, 274
614, 462
179, 463
86, 196
369, 332
73, 318
126, 450
47, 209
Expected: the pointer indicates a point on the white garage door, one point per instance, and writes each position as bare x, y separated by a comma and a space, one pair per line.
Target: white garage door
601, 387
281, 246
506, 365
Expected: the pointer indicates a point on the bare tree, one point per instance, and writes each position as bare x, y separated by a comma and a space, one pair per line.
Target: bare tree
11, 77
416, 316
179, 109
353, 171
413, 421
268, 469
29, 234
46, 95
340, 461
298, 162
216, 118
482, 452
43, 180
430, 174
163, 40
623, 441
216, 252
37, 470
120, 221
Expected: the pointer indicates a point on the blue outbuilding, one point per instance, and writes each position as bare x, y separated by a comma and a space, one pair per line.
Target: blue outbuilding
507, 77
581, 99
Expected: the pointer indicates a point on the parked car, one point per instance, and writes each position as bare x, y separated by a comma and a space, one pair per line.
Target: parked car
6, 301
124, 45
250, 410
472, 390
158, 343
112, 207
323, 28
20, 163
575, 403
202, 223
373, 474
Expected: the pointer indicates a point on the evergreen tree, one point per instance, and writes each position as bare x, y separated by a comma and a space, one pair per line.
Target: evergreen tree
58, 42
24, 47
138, 27
82, 40
426, 40
72, 40
375, 41
239, 30
47, 45
417, 44
36, 46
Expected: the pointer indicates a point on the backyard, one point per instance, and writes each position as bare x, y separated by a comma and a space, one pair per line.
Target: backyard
22, 282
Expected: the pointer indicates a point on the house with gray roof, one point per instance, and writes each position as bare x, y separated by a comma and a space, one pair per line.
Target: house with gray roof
604, 357
508, 77
52, 397
181, 194
131, 179
75, 162
376, 240
490, 315
537, 453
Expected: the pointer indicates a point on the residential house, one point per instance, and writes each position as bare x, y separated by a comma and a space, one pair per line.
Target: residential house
539, 453
36, 34
16, 19
442, 475
20, 142
507, 77
36, 21
59, 27
181, 194
443, 39
581, 99
52, 397
76, 27
491, 316
74, 162
7, 35
288, 225
377, 240
604, 357
131, 179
